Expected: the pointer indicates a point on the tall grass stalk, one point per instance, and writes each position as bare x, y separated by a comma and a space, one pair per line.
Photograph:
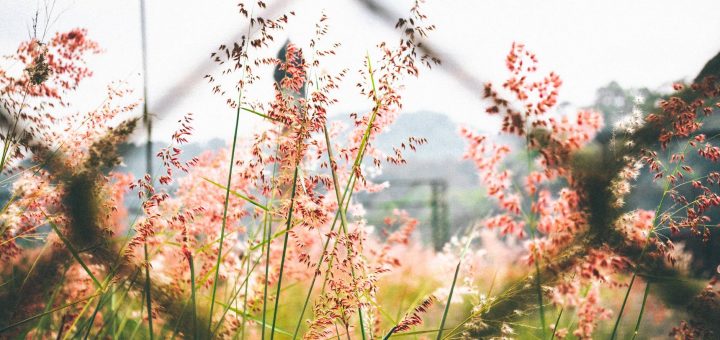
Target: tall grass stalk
267, 235
642, 308
532, 226
452, 288
285, 243
447, 305
538, 286
557, 322
342, 201
148, 298
666, 190
266, 238
101, 302
192, 295
317, 269
245, 300
225, 211
234, 296
227, 189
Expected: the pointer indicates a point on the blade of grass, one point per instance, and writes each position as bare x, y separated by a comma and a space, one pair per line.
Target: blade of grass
41, 325
416, 333
259, 114
622, 308
250, 317
452, 289
642, 309
102, 293
245, 298
148, 298
285, 242
267, 233
72, 250
235, 193
225, 211
24, 321
235, 295
557, 322
390, 333
192, 296
91, 320
115, 308
137, 324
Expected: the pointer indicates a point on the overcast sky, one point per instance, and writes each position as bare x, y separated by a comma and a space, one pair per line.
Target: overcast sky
637, 43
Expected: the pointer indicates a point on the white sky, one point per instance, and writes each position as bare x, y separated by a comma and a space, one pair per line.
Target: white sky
637, 43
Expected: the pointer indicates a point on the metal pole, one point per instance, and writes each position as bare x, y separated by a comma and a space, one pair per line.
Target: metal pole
148, 155
146, 116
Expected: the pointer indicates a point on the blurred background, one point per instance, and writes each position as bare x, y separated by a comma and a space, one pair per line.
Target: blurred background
607, 53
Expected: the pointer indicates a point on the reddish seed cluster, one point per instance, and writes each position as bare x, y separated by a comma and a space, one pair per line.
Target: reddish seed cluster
52, 67
170, 156
535, 97
679, 121
297, 165
414, 318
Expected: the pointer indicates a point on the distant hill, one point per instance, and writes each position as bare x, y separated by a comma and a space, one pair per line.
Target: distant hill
445, 147
444, 143
134, 155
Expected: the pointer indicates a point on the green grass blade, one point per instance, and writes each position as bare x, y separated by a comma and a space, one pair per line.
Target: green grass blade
447, 305
259, 114
250, 317
24, 321
642, 309
73, 251
192, 296
452, 289
225, 211
622, 308
285, 243
235, 193
148, 297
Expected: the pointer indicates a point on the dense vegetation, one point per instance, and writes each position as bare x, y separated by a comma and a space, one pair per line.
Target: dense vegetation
593, 230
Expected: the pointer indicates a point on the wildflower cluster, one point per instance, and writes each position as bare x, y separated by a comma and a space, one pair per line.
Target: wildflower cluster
279, 216
581, 244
